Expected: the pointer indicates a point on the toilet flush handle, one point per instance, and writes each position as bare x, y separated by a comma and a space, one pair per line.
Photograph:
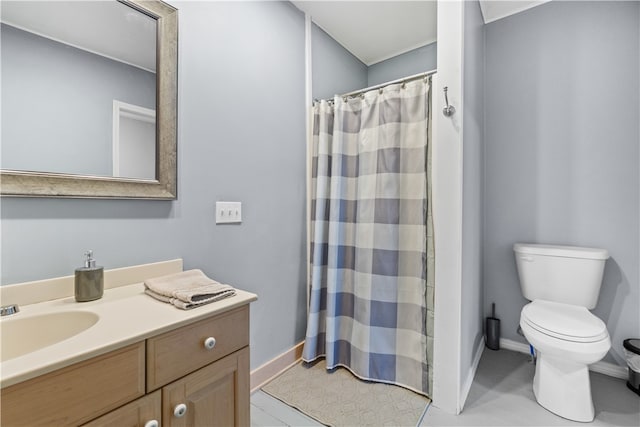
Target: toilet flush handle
526, 258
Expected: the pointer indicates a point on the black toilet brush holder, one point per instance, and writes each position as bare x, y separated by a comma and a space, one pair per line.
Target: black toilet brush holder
492, 330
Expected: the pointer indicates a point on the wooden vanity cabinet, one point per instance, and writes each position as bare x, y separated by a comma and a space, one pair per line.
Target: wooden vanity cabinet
210, 385
189, 382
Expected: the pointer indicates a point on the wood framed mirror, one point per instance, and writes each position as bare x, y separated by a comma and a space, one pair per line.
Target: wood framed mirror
160, 183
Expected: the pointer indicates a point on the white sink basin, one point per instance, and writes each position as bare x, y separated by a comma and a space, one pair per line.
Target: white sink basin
22, 335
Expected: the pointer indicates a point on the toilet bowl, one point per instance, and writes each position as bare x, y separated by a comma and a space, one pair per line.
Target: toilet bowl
562, 283
567, 340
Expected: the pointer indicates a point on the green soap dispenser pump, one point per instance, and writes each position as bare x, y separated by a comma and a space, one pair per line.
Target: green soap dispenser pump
89, 281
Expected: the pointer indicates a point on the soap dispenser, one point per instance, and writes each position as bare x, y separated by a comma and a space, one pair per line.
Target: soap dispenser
89, 282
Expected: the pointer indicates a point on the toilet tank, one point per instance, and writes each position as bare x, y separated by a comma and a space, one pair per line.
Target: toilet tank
567, 274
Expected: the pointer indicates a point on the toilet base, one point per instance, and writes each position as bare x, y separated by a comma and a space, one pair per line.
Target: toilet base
563, 387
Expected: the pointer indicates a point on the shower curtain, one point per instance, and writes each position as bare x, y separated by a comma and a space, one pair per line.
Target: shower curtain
371, 284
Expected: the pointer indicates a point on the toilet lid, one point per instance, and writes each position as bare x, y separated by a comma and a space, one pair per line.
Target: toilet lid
564, 321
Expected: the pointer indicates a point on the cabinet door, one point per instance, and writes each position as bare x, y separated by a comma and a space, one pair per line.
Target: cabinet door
139, 413
216, 395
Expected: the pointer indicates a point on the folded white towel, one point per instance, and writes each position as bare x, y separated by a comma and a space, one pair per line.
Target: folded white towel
187, 289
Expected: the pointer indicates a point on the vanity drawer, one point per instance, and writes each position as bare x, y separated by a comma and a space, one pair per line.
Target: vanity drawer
177, 353
77, 393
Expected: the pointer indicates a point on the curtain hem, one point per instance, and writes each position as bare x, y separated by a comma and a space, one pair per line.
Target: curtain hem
364, 378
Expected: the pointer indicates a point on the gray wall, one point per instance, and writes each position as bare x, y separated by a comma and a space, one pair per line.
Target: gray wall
241, 137
562, 101
334, 69
472, 185
56, 99
413, 62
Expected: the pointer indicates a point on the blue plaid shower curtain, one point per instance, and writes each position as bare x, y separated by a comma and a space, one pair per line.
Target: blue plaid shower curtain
370, 306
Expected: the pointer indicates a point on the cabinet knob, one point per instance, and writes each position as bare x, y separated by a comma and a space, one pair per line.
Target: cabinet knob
152, 423
180, 410
209, 343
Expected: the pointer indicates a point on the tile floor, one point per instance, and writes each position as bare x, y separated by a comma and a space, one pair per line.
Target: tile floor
269, 411
501, 395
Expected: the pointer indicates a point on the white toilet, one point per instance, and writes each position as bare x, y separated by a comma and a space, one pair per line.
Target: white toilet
563, 284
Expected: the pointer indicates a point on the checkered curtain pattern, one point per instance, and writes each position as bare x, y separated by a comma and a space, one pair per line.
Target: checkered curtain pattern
371, 285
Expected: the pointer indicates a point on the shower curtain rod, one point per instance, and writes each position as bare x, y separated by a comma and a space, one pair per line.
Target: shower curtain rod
378, 86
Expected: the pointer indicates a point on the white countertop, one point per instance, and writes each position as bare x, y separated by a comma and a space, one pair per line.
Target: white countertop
127, 315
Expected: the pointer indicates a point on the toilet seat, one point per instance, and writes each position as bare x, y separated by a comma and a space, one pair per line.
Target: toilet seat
564, 321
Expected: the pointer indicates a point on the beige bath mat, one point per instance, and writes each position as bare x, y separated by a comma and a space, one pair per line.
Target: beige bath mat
338, 398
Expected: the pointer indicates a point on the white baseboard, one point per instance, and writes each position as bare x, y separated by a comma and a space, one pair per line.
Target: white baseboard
520, 347
466, 387
268, 371
600, 367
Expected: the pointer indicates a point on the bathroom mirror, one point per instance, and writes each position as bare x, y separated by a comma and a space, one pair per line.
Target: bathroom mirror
114, 74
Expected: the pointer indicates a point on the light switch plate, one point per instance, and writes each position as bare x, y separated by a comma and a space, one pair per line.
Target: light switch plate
228, 212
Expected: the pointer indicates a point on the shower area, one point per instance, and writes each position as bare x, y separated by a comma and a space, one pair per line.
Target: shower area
369, 341
371, 234
393, 292
371, 240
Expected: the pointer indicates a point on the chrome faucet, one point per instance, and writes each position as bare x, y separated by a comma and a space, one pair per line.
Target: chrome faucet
8, 310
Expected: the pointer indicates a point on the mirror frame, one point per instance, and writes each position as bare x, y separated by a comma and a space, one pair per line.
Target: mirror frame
45, 184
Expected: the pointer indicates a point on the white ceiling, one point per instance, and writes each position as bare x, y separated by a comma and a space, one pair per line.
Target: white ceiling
107, 28
377, 30
493, 10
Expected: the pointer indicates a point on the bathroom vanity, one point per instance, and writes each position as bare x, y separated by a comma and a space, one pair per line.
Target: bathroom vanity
143, 362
